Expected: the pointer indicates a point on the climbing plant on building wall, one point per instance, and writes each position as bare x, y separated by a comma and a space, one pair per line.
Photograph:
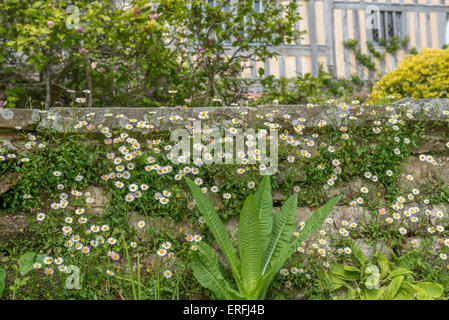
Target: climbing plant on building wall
392, 46
363, 59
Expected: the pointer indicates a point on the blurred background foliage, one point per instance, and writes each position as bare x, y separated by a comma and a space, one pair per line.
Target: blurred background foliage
134, 55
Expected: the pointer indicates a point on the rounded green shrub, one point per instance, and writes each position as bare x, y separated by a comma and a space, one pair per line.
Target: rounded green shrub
425, 75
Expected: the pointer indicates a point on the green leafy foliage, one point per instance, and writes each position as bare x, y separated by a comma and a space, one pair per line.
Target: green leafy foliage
305, 88
218, 230
363, 59
381, 280
420, 76
26, 262
264, 207
250, 246
2, 280
134, 56
256, 269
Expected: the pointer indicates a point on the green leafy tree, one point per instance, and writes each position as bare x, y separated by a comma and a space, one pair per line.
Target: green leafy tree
217, 39
138, 55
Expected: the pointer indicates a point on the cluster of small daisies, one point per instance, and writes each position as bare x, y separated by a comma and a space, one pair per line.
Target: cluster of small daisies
164, 251
50, 263
195, 238
126, 150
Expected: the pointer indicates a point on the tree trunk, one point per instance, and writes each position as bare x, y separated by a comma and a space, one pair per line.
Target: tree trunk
88, 83
47, 87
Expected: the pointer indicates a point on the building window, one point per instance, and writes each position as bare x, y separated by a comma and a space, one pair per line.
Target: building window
388, 24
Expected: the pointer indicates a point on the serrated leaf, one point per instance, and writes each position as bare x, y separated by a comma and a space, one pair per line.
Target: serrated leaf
311, 225
316, 220
206, 270
264, 205
283, 225
217, 228
250, 245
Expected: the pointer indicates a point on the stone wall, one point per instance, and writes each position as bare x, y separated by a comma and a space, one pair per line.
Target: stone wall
62, 119
14, 122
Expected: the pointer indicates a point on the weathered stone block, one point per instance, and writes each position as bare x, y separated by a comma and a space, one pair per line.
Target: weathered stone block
430, 144
12, 227
369, 248
9, 180
423, 171
155, 226
13, 119
100, 197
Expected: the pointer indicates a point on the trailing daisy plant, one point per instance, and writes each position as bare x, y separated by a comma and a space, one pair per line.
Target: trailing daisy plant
264, 243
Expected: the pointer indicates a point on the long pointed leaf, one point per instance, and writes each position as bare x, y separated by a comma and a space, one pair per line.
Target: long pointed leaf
218, 230
250, 245
317, 218
206, 270
264, 205
312, 224
283, 225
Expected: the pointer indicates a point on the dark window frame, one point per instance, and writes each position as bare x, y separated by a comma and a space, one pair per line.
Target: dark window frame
390, 25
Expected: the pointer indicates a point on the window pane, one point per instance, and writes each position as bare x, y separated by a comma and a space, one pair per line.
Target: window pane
375, 35
390, 25
399, 24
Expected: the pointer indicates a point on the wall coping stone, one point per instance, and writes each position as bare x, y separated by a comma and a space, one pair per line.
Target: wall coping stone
163, 118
